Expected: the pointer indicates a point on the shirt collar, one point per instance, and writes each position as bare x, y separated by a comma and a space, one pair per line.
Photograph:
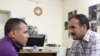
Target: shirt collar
87, 35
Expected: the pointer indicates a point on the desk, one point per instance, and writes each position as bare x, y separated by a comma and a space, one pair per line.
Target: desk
38, 53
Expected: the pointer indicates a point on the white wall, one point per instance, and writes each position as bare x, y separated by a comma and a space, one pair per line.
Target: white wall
48, 23
82, 7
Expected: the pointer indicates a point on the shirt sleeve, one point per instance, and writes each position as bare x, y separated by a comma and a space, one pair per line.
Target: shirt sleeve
95, 48
73, 49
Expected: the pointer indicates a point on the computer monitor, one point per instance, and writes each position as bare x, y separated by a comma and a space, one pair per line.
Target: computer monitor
36, 40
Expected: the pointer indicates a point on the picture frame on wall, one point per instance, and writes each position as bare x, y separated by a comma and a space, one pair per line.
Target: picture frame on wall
94, 13
71, 13
66, 25
93, 25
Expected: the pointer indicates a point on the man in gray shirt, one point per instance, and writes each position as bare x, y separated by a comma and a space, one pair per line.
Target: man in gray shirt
86, 42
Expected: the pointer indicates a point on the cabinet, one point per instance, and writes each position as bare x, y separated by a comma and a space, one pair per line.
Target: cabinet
4, 16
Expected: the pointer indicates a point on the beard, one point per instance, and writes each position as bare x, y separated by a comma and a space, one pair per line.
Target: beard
77, 36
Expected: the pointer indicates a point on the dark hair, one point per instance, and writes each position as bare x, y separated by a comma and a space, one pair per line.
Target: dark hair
12, 23
82, 19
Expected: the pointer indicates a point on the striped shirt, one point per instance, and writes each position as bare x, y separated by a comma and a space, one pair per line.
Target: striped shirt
89, 46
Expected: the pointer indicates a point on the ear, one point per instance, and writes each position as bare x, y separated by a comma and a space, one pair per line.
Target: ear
12, 33
84, 26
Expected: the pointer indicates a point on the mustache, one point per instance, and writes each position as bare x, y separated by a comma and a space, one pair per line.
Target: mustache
72, 33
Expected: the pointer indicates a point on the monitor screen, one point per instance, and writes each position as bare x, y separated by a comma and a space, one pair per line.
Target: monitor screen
36, 40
